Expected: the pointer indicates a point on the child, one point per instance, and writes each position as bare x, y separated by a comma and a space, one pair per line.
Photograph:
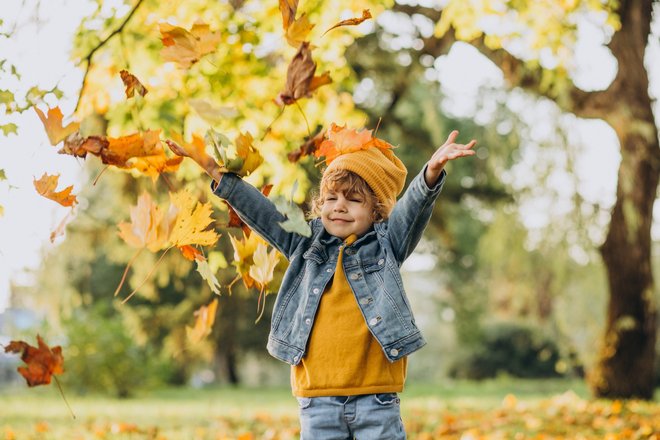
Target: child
341, 317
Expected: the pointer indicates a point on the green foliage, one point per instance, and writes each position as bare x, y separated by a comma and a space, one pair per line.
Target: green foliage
102, 356
508, 348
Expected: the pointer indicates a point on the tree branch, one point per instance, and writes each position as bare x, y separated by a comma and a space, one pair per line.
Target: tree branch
90, 55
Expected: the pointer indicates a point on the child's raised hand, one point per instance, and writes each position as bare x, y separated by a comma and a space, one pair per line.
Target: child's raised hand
448, 151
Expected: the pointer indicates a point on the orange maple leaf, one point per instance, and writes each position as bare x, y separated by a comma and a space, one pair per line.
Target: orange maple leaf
341, 140
288, 8
309, 147
132, 84
150, 225
46, 187
205, 317
120, 150
53, 125
42, 363
191, 253
187, 47
351, 21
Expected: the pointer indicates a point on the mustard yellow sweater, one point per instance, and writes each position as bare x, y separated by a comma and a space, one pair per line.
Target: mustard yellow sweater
343, 358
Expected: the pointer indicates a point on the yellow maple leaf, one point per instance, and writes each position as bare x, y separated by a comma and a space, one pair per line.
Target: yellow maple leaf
243, 251
53, 125
298, 31
264, 263
187, 47
192, 220
248, 152
150, 225
205, 317
46, 186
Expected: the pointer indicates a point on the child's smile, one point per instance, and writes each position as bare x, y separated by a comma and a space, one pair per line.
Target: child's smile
345, 214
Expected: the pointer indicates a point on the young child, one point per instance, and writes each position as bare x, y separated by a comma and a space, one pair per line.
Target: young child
341, 318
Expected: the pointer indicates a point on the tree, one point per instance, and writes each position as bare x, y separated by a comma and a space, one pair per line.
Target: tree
630, 333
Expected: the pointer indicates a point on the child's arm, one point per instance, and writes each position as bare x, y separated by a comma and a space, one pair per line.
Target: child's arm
252, 206
412, 212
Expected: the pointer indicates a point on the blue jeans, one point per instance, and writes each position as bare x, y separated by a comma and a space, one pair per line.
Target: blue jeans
364, 417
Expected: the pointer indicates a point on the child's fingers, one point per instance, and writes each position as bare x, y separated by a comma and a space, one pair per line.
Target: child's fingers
176, 148
452, 137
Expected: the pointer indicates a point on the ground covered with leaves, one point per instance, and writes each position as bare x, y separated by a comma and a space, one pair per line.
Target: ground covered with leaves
532, 411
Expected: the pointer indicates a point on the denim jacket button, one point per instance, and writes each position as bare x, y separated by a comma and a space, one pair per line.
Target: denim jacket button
381, 262
373, 321
308, 321
316, 290
355, 276
394, 352
350, 251
365, 301
328, 270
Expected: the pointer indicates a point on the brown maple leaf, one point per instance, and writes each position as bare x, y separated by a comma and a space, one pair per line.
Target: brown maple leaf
288, 8
300, 79
309, 147
236, 222
53, 125
42, 362
351, 21
46, 186
133, 85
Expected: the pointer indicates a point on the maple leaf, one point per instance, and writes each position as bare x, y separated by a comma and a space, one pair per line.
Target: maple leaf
205, 317
246, 159
120, 150
235, 221
187, 47
150, 225
341, 140
351, 21
42, 362
192, 221
297, 33
263, 266
211, 113
295, 218
191, 253
59, 230
243, 251
288, 8
78, 146
310, 145
46, 187
204, 269
154, 166
53, 125
300, 76
132, 84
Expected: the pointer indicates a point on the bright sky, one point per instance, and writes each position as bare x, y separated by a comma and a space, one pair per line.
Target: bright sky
39, 50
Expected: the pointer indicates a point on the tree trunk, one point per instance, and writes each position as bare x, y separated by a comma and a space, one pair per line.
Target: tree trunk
625, 368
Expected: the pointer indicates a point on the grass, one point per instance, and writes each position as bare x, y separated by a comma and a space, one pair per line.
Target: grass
514, 408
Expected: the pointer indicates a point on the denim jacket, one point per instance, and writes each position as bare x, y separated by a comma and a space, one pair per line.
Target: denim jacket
371, 265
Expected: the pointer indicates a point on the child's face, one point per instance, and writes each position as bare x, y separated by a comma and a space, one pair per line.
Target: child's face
344, 214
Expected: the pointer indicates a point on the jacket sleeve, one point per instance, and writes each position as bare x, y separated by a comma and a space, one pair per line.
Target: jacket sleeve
257, 212
411, 214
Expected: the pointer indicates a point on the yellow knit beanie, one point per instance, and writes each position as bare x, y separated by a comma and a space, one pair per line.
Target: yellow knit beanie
379, 167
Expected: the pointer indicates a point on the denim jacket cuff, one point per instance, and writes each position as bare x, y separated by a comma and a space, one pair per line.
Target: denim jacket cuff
226, 185
435, 189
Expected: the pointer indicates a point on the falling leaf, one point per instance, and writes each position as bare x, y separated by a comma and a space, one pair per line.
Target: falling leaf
192, 221
150, 225
120, 150
53, 125
288, 8
243, 252
132, 84
205, 317
246, 159
351, 21
204, 269
341, 140
46, 187
297, 33
59, 231
263, 266
300, 75
236, 222
309, 147
154, 166
211, 113
9, 128
191, 253
295, 218
187, 47
42, 363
